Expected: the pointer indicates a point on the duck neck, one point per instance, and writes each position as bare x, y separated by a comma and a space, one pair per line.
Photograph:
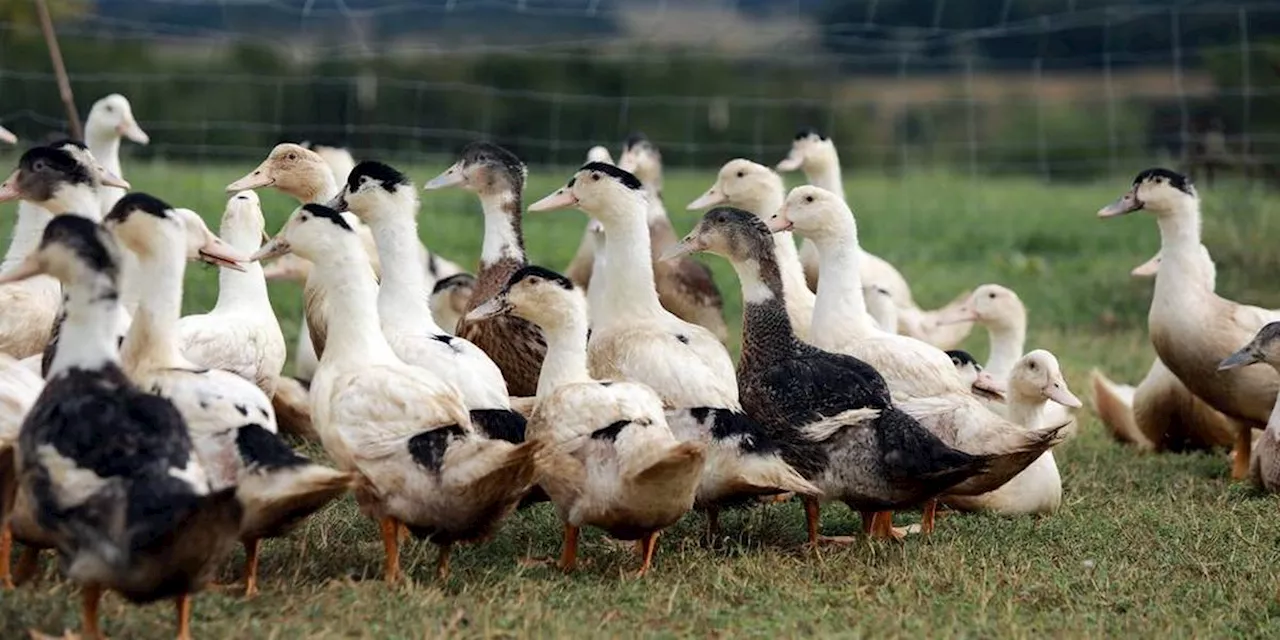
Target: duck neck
1180, 229
105, 147
628, 266
1007, 342
1182, 269
27, 232
81, 200
87, 338
825, 174
243, 289
503, 237
321, 190
566, 359
1025, 410
841, 308
153, 334
350, 295
794, 286
403, 293
767, 334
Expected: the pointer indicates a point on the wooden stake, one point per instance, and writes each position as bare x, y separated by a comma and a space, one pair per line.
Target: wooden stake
59, 70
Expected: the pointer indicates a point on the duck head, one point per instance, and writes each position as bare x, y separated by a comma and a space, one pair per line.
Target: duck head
146, 225
243, 225
597, 189
744, 184
72, 249
1264, 347
111, 118
599, 153
809, 150
374, 189
1038, 376
483, 168
1159, 191
730, 233
812, 212
982, 384
58, 177
641, 157
989, 304
313, 232
538, 295
450, 297
289, 168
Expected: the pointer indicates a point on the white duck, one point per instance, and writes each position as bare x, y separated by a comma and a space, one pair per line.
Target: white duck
230, 419
923, 380
1035, 382
634, 338
881, 307
386, 200
110, 119
816, 155
1192, 328
402, 429
240, 334
758, 190
609, 458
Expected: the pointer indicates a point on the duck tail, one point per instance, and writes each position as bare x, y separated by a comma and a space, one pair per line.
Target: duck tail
501, 473
676, 472
292, 404
914, 455
1113, 404
278, 487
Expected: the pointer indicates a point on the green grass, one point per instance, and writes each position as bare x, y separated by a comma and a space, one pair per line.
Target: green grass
1146, 545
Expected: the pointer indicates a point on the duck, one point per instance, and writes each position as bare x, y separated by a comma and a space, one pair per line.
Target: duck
1264, 464
855, 445
1035, 384
232, 425
57, 179
922, 378
1161, 414
1192, 328
753, 187
240, 334
634, 338
111, 119
404, 431
19, 388
609, 458
291, 268
582, 266
497, 177
449, 299
384, 199
815, 154
134, 512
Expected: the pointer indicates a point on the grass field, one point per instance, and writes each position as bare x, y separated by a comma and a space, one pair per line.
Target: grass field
1144, 545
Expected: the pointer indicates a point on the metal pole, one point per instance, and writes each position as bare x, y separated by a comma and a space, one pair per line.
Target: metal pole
59, 70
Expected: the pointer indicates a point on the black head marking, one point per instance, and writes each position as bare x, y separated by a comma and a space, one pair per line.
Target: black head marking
1175, 179
321, 211
534, 271
960, 357
138, 201
807, 132
54, 163
385, 175
625, 177
84, 238
57, 144
453, 281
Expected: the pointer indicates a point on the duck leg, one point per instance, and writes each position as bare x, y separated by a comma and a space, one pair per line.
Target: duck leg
90, 595
6, 548
183, 607
442, 561
391, 545
28, 566
812, 516
251, 549
1242, 452
868, 522
569, 553
883, 528
648, 545
930, 512
713, 526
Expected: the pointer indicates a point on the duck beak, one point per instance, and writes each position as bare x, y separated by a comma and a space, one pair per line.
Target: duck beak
256, 179
339, 202
9, 188
691, 244
7, 136
1147, 269
563, 198
112, 180
220, 254
1242, 358
987, 386
451, 177
495, 306
780, 222
963, 313
130, 129
28, 268
711, 198
792, 162
1058, 392
1128, 203
274, 248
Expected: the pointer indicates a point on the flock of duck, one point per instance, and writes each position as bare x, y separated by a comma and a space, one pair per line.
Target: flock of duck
446, 401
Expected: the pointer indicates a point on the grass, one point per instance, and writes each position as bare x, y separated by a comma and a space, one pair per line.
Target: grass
1144, 545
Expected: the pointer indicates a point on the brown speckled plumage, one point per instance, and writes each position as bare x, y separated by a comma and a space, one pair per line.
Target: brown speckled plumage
514, 344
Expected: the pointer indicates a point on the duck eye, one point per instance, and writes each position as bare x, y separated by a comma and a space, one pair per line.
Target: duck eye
1032, 366
595, 177
992, 295
39, 165
742, 174
110, 109
291, 156
808, 198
